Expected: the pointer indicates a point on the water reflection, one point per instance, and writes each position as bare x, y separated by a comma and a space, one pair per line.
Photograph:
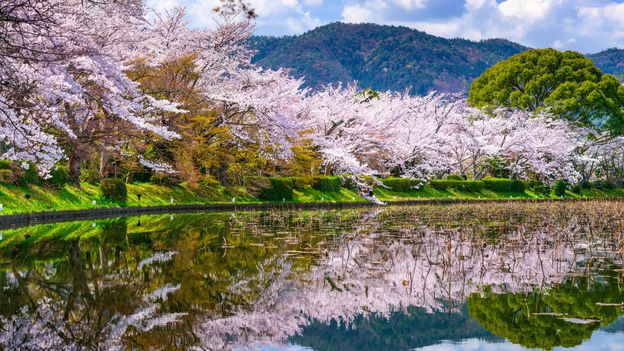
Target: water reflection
535, 276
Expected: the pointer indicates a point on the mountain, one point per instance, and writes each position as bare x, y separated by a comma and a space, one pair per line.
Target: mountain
610, 61
392, 58
382, 57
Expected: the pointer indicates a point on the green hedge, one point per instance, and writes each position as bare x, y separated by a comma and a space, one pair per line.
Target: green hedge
539, 187
270, 189
402, 184
281, 189
455, 177
503, 185
560, 187
327, 184
114, 189
59, 176
299, 183
466, 185
599, 184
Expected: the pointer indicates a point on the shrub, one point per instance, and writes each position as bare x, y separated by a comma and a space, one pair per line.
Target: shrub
455, 177
601, 185
402, 184
503, 185
539, 187
281, 189
6, 176
25, 175
6, 164
577, 188
114, 189
164, 179
142, 177
299, 183
349, 182
90, 176
327, 184
467, 185
59, 176
256, 185
208, 180
560, 187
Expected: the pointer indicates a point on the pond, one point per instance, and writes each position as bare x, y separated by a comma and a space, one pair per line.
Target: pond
459, 277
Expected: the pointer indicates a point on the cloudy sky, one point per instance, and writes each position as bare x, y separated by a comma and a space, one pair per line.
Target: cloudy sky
583, 25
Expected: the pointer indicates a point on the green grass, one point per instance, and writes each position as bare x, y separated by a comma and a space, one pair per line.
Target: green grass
36, 198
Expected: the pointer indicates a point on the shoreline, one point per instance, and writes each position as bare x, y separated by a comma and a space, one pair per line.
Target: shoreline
20, 220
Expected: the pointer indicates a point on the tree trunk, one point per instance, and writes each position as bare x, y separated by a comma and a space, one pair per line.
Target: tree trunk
75, 166
103, 162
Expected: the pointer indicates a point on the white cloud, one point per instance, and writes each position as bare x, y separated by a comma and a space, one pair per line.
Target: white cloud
527, 10
313, 2
356, 14
411, 4
302, 24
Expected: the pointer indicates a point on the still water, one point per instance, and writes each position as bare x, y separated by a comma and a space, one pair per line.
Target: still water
461, 277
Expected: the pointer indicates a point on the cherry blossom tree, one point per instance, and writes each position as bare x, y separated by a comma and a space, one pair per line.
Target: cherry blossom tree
63, 79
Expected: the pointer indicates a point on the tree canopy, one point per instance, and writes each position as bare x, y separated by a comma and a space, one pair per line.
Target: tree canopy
566, 83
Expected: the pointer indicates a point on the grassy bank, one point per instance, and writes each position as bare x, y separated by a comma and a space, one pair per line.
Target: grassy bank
36, 198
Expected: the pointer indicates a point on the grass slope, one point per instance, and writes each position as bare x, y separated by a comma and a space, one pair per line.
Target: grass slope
36, 198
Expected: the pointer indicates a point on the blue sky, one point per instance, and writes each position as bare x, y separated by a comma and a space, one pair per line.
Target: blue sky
582, 25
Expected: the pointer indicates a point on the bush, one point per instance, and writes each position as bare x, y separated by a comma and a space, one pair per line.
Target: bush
141, 177
503, 185
349, 182
164, 179
59, 176
601, 185
257, 185
23, 175
327, 184
299, 183
6, 176
560, 187
90, 176
577, 188
208, 180
281, 189
467, 185
539, 187
402, 184
455, 177
114, 189
6, 164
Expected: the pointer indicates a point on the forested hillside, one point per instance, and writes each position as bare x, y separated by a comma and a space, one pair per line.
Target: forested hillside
393, 58
610, 61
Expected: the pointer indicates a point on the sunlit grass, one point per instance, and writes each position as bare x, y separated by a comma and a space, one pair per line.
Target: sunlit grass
37, 198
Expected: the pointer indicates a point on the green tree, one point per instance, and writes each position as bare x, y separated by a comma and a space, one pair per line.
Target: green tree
566, 83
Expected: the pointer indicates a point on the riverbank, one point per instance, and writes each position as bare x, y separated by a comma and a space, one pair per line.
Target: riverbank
37, 198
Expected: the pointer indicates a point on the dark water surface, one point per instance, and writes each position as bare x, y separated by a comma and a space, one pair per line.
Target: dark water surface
461, 277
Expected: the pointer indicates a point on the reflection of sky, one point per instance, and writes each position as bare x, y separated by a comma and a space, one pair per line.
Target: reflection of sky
600, 341
260, 347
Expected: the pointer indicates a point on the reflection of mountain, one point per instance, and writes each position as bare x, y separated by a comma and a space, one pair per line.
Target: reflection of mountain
413, 328
615, 327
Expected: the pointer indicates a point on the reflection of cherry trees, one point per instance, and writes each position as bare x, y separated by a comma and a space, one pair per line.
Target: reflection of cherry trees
382, 272
225, 281
71, 309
